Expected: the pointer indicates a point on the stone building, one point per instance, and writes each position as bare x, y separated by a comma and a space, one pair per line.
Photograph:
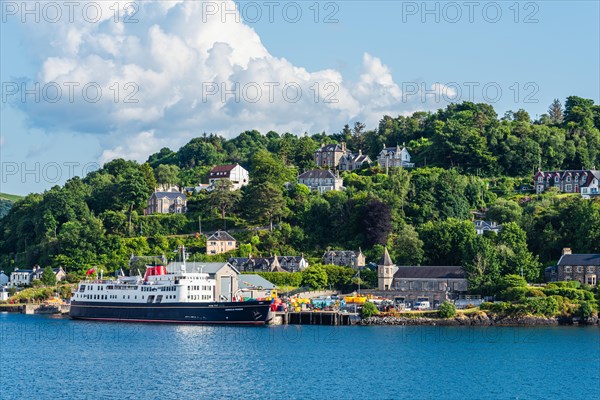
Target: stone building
166, 203
345, 258
394, 157
408, 284
350, 161
328, 156
269, 264
584, 268
321, 180
585, 182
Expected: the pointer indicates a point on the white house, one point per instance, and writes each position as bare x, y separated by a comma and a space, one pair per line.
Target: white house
23, 277
484, 226
234, 173
4, 279
321, 180
394, 157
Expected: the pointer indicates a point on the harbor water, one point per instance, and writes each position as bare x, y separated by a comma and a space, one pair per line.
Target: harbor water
47, 357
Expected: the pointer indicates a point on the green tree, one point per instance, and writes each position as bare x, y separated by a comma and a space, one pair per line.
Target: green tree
314, 277
481, 265
447, 310
265, 202
406, 246
48, 278
167, 174
223, 197
503, 211
368, 309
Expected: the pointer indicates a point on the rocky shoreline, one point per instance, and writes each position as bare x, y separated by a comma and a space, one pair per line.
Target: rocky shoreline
479, 319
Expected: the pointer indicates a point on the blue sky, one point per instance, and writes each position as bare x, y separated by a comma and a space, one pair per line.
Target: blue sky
377, 57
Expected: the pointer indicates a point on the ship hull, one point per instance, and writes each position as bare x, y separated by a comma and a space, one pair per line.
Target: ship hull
239, 313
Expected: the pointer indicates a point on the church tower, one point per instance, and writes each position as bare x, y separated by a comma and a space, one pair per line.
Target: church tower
385, 272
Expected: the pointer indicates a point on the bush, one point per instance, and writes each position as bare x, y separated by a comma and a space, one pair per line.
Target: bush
486, 305
501, 308
446, 310
535, 292
585, 310
281, 279
511, 280
517, 294
569, 293
368, 310
547, 306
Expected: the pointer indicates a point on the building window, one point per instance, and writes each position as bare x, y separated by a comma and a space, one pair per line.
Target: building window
568, 179
568, 188
590, 269
579, 269
568, 269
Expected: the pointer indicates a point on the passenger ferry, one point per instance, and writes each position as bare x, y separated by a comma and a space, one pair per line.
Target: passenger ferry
180, 297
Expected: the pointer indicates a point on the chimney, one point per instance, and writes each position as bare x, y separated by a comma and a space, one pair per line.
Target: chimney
566, 250
344, 146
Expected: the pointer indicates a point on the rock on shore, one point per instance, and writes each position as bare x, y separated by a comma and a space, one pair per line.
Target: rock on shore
475, 319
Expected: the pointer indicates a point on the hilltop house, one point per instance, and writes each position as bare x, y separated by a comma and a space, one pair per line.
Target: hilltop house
321, 180
236, 174
345, 258
585, 182
220, 242
350, 161
166, 203
225, 275
269, 264
328, 156
24, 277
394, 157
484, 226
584, 268
435, 284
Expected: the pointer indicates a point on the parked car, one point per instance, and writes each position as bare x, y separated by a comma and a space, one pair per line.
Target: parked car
422, 305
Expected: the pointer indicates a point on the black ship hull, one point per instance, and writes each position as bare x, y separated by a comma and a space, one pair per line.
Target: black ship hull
245, 313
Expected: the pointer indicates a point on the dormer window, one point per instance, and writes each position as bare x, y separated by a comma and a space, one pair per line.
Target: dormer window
556, 179
568, 179
540, 179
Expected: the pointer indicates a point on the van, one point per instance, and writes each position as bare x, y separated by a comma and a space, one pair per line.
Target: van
422, 305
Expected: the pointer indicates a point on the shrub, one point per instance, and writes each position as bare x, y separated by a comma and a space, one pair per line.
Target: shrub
517, 294
486, 305
501, 308
547, 306
586, 309
368, 310
281, 279
511, 280
535, 292
446, 310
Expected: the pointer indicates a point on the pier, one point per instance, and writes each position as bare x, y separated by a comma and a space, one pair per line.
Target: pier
333, 318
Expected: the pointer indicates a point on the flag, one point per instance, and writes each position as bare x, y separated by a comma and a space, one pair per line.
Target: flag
90, 271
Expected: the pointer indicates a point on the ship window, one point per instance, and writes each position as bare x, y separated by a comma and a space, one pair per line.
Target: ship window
159, 298
150, 299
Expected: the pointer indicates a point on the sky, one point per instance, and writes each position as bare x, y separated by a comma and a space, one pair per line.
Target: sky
85, 82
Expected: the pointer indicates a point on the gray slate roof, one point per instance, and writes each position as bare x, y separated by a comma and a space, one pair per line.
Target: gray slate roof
170, 195
210, 268
221, 236
580, 259
430, 272
317, 174
253, 281
330, 147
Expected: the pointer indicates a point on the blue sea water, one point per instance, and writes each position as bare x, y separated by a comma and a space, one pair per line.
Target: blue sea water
46, 357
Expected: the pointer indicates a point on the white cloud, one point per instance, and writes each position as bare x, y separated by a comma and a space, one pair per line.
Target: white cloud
165, 79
